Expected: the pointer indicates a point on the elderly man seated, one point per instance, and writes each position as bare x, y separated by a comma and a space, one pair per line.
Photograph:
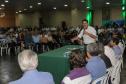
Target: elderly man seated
95, 65
28, 62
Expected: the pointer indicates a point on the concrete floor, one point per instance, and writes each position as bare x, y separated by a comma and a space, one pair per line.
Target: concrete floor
9, 69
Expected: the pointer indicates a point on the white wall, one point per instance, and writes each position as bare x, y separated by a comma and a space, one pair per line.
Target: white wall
56, 17
97, 17
35, 19
72, 17
77, 16
24, 20
115, 13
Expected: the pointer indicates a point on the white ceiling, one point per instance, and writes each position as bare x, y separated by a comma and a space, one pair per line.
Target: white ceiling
49, 4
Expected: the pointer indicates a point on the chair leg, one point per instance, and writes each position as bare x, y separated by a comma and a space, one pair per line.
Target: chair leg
8, 51
43, 48
1, 51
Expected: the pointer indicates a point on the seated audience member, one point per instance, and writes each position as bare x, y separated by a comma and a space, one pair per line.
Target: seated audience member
79, 74
108, 50
27, 38
116, 48
43, 41
104, 57
51, 41
36, 40
106, 61
95, 65
28, 62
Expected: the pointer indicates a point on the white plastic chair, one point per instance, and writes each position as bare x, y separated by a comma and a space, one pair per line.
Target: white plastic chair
81, 80
101, 80
122, 47
115, 76
109, 72
121, 60
4, 46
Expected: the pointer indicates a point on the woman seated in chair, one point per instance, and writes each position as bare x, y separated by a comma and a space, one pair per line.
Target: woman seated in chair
116, 48
43, 42
79, 74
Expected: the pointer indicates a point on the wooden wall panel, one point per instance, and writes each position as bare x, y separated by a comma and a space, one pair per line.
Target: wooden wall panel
8, 20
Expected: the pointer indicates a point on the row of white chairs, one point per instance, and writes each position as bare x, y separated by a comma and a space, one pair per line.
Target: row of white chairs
6, 50
113, 74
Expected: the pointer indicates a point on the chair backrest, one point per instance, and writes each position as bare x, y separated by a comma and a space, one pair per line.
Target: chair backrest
81, 80
109, 71
115, 77
116, 68
122, 47
101, 80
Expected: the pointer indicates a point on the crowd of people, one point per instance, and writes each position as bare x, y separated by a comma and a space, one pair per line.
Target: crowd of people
36, 39
103, 50
100, 56
85, 67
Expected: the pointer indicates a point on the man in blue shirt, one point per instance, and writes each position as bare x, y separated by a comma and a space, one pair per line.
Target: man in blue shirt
36, 41
28, 62
95, 65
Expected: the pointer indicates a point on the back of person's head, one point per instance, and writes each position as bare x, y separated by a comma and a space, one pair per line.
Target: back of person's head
27, 60
107, 39
76, 59
115, 40
93, 49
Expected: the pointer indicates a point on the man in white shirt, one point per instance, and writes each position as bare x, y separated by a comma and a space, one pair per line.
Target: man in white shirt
88, 33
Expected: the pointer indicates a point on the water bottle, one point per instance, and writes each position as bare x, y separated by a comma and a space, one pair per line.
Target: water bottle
66, 54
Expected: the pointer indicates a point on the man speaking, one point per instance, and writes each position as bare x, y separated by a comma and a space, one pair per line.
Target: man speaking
88, 33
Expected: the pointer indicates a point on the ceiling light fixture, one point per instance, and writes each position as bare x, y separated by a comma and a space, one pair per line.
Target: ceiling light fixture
39, 3
31, 6
65, 5
0, 8
107, 3
25, 9
87, 7
17, 12
20, 11
123, 7
2, 5
54, 8
82, 1
6, 1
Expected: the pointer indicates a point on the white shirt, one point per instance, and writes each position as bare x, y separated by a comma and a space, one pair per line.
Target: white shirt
81, 80
110, 54
86, 38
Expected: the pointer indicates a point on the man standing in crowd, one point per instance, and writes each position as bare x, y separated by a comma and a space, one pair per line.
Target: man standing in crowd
88, 33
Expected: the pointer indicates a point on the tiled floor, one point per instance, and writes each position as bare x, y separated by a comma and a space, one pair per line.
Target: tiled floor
9, 69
